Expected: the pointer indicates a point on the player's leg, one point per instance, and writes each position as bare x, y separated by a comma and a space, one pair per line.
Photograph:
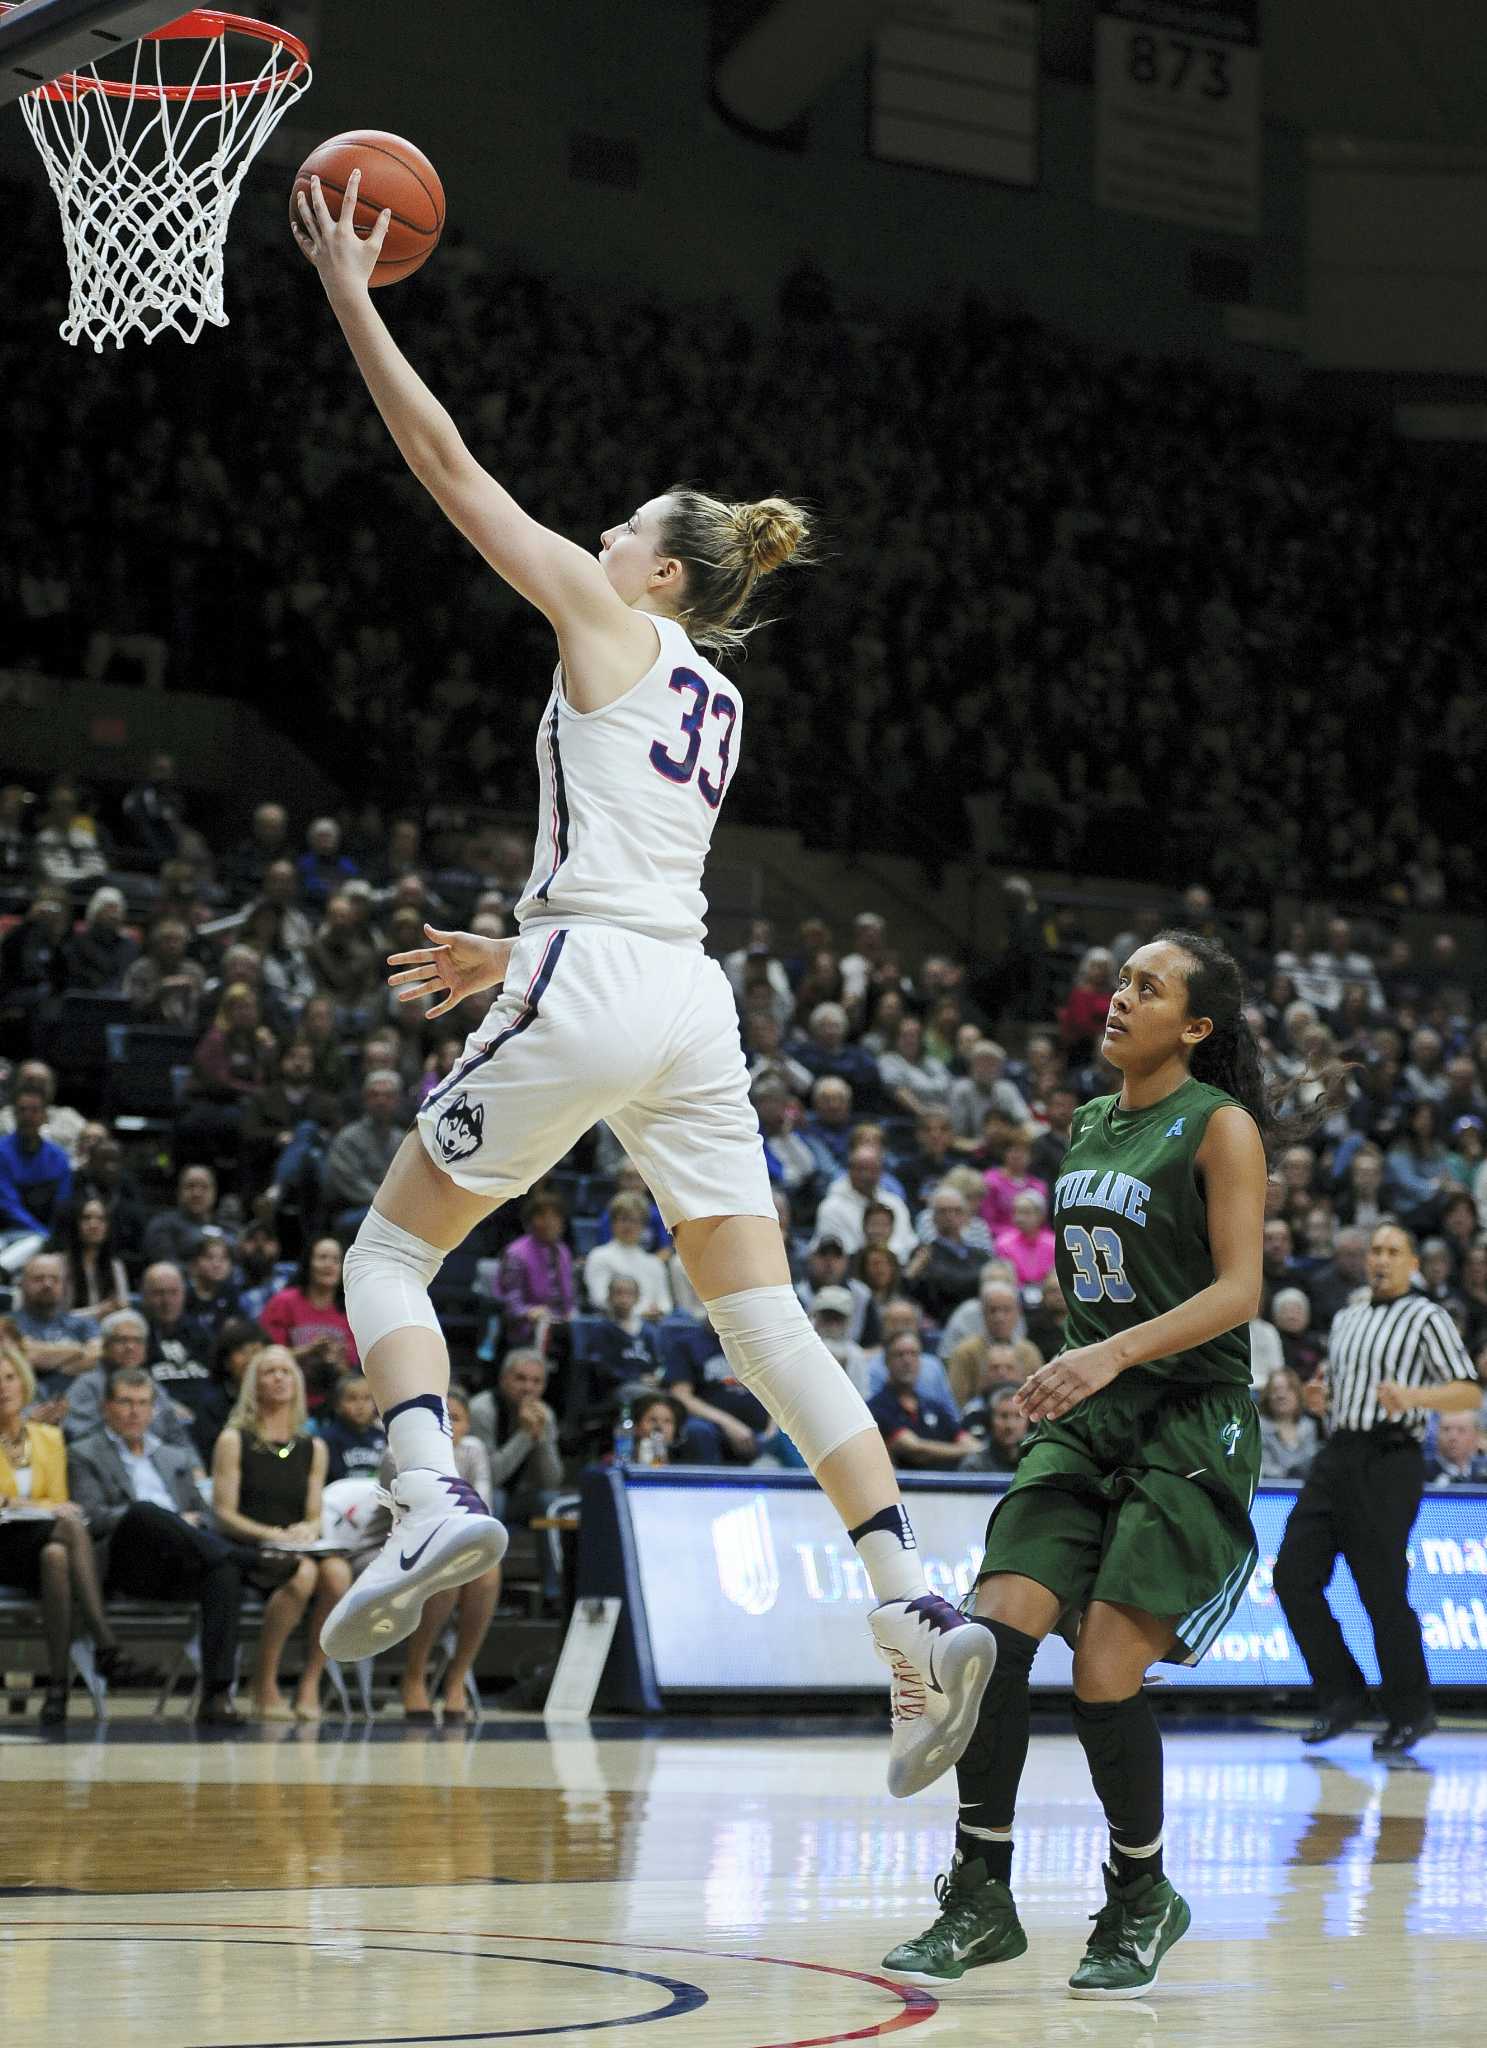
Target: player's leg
1142, 1916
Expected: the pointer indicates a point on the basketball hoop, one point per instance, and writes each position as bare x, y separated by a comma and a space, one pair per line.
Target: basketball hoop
147, 170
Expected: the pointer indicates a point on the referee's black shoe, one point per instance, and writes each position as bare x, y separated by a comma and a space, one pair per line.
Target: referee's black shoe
1336, 1718
1400, 1736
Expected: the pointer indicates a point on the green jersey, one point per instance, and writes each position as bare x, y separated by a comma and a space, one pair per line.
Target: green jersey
1131, 1228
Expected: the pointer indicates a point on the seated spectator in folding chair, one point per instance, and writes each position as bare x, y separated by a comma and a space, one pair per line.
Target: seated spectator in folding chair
475, 1601
521, 1433
49, 1554
173, 1234
310, 1320
94, 1282
660, 1422
622, 1349
536, 1277
625, 1253
212, 1299
35, 1180
179, 1369
125, 1340
352, 1434
900, 1318
61, 1126
153, 1533
826, 1265
59, 1344
268, 1475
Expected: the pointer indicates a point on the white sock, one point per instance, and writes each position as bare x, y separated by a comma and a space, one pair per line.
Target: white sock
419, 1436
888, 1552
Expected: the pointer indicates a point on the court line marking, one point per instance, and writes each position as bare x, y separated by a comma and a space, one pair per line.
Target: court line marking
916, 2005
684, 1998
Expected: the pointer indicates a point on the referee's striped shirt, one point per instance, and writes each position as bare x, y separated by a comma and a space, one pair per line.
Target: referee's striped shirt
1412, 1341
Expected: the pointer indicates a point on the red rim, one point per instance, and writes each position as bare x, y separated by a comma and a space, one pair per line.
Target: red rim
206, 24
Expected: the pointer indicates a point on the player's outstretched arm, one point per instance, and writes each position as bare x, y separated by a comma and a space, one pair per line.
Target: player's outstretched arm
566, 584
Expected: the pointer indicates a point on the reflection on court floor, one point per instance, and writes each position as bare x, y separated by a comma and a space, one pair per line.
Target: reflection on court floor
732, 1890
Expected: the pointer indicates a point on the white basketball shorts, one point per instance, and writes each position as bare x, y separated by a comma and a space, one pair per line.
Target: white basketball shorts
596, 1021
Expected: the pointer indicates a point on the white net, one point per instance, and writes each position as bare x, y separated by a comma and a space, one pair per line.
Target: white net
146, 176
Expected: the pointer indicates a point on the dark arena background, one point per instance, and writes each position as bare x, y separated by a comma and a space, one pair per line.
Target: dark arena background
1131, 357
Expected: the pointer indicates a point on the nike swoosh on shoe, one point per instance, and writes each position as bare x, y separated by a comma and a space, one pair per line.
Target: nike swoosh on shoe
408, 1562
1144, 1956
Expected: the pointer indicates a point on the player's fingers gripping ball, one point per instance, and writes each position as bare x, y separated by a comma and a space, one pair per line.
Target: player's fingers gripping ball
385, 193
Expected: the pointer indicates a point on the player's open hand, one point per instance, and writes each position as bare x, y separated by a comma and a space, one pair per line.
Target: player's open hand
344, 258
452, 966
1066, 1381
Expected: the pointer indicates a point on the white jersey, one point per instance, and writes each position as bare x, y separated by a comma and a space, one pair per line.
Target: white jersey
630, 795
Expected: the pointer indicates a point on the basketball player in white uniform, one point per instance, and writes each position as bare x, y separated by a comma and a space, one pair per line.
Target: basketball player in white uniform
608, 1007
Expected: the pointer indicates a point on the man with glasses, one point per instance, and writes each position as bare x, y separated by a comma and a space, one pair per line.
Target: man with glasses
125, 1337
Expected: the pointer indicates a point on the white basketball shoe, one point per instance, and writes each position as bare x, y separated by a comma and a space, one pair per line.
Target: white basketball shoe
941, 1665
443, 1535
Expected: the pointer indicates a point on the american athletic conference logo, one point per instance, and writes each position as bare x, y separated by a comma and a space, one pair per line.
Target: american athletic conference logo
460, 1128
747, 1569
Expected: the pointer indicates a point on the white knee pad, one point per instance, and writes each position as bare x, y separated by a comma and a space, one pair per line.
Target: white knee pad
769, 1341
386, 1276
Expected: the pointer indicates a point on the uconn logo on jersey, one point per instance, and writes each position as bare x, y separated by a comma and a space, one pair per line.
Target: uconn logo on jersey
1119, 1193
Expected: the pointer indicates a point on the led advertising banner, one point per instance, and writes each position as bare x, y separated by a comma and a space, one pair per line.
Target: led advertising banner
754, 1587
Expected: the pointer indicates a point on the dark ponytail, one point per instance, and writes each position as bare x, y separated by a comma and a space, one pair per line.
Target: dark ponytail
1229, 1057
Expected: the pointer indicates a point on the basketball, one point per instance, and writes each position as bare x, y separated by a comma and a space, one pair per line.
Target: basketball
393, 174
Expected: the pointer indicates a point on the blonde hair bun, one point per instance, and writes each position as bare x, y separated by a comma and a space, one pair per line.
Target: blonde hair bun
772, 531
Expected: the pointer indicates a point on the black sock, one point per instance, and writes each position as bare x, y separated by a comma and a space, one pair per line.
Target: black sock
1123, 1745
991, 1769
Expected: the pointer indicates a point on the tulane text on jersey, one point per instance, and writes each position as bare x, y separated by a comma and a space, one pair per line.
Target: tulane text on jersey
1120, 1193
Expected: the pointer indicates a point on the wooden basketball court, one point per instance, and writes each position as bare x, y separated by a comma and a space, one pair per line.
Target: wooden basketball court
693, 1886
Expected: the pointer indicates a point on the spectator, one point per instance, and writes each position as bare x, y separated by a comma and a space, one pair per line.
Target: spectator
764, 1044
660, 1423
233, 1062
997, 1425
1458, 1458
829, 1125
520, 1431
629, 1216
244, 868
998, 1314
174, 1233
1332, 1286
94, 1282
153, 813
1289, 1437
726, 1424
354, 1438
1004, 1183
1081, 1021
825, 1051
535, 1286
179, 1369
33, 962
877, 1267
864, 964
794, 1163
831, 1312
124, 1340
287, 1126
51, 1560
984, 1088
826, 1266
360, 1154
1468, 1160
58, 1343
268, 1476
1458, 1224
1418, 1167
914, 1078
309, 1321
1027, 1242
897, 1318
164, 985
622, 1349
1303, 1346
238, 1344
1361, 1203
917, 1430
931, 1160
841, 1212
35, 1180
140, 1500
942, 1274
100, 1171
1052, 1142
211, 1295
474, 1602
261, 1271
345, 960
322, 868
1425, 1076
61, 1125
1045, 1321
100, 955
72, 849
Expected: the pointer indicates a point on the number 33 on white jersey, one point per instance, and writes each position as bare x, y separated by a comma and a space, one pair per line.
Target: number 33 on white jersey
630, 795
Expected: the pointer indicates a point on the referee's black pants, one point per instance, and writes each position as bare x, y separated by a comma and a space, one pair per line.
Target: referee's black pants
155, 1555
1361, 1501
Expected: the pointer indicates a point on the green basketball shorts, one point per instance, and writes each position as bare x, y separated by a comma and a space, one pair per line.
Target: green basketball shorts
1140, 1495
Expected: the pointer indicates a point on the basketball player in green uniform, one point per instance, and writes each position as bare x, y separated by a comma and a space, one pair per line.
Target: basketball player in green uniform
1128, 1520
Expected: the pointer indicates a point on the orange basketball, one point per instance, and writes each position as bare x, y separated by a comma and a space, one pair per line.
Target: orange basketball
393, 174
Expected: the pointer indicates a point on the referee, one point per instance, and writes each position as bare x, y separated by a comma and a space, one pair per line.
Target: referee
1390, 1359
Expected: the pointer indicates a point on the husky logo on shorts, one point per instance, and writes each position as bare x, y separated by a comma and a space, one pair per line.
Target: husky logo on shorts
458, 1131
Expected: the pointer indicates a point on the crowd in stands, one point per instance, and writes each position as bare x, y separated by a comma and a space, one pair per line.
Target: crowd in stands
177, 1313
1055, 582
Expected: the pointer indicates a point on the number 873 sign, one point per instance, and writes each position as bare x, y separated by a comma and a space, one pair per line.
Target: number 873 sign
1177, 94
